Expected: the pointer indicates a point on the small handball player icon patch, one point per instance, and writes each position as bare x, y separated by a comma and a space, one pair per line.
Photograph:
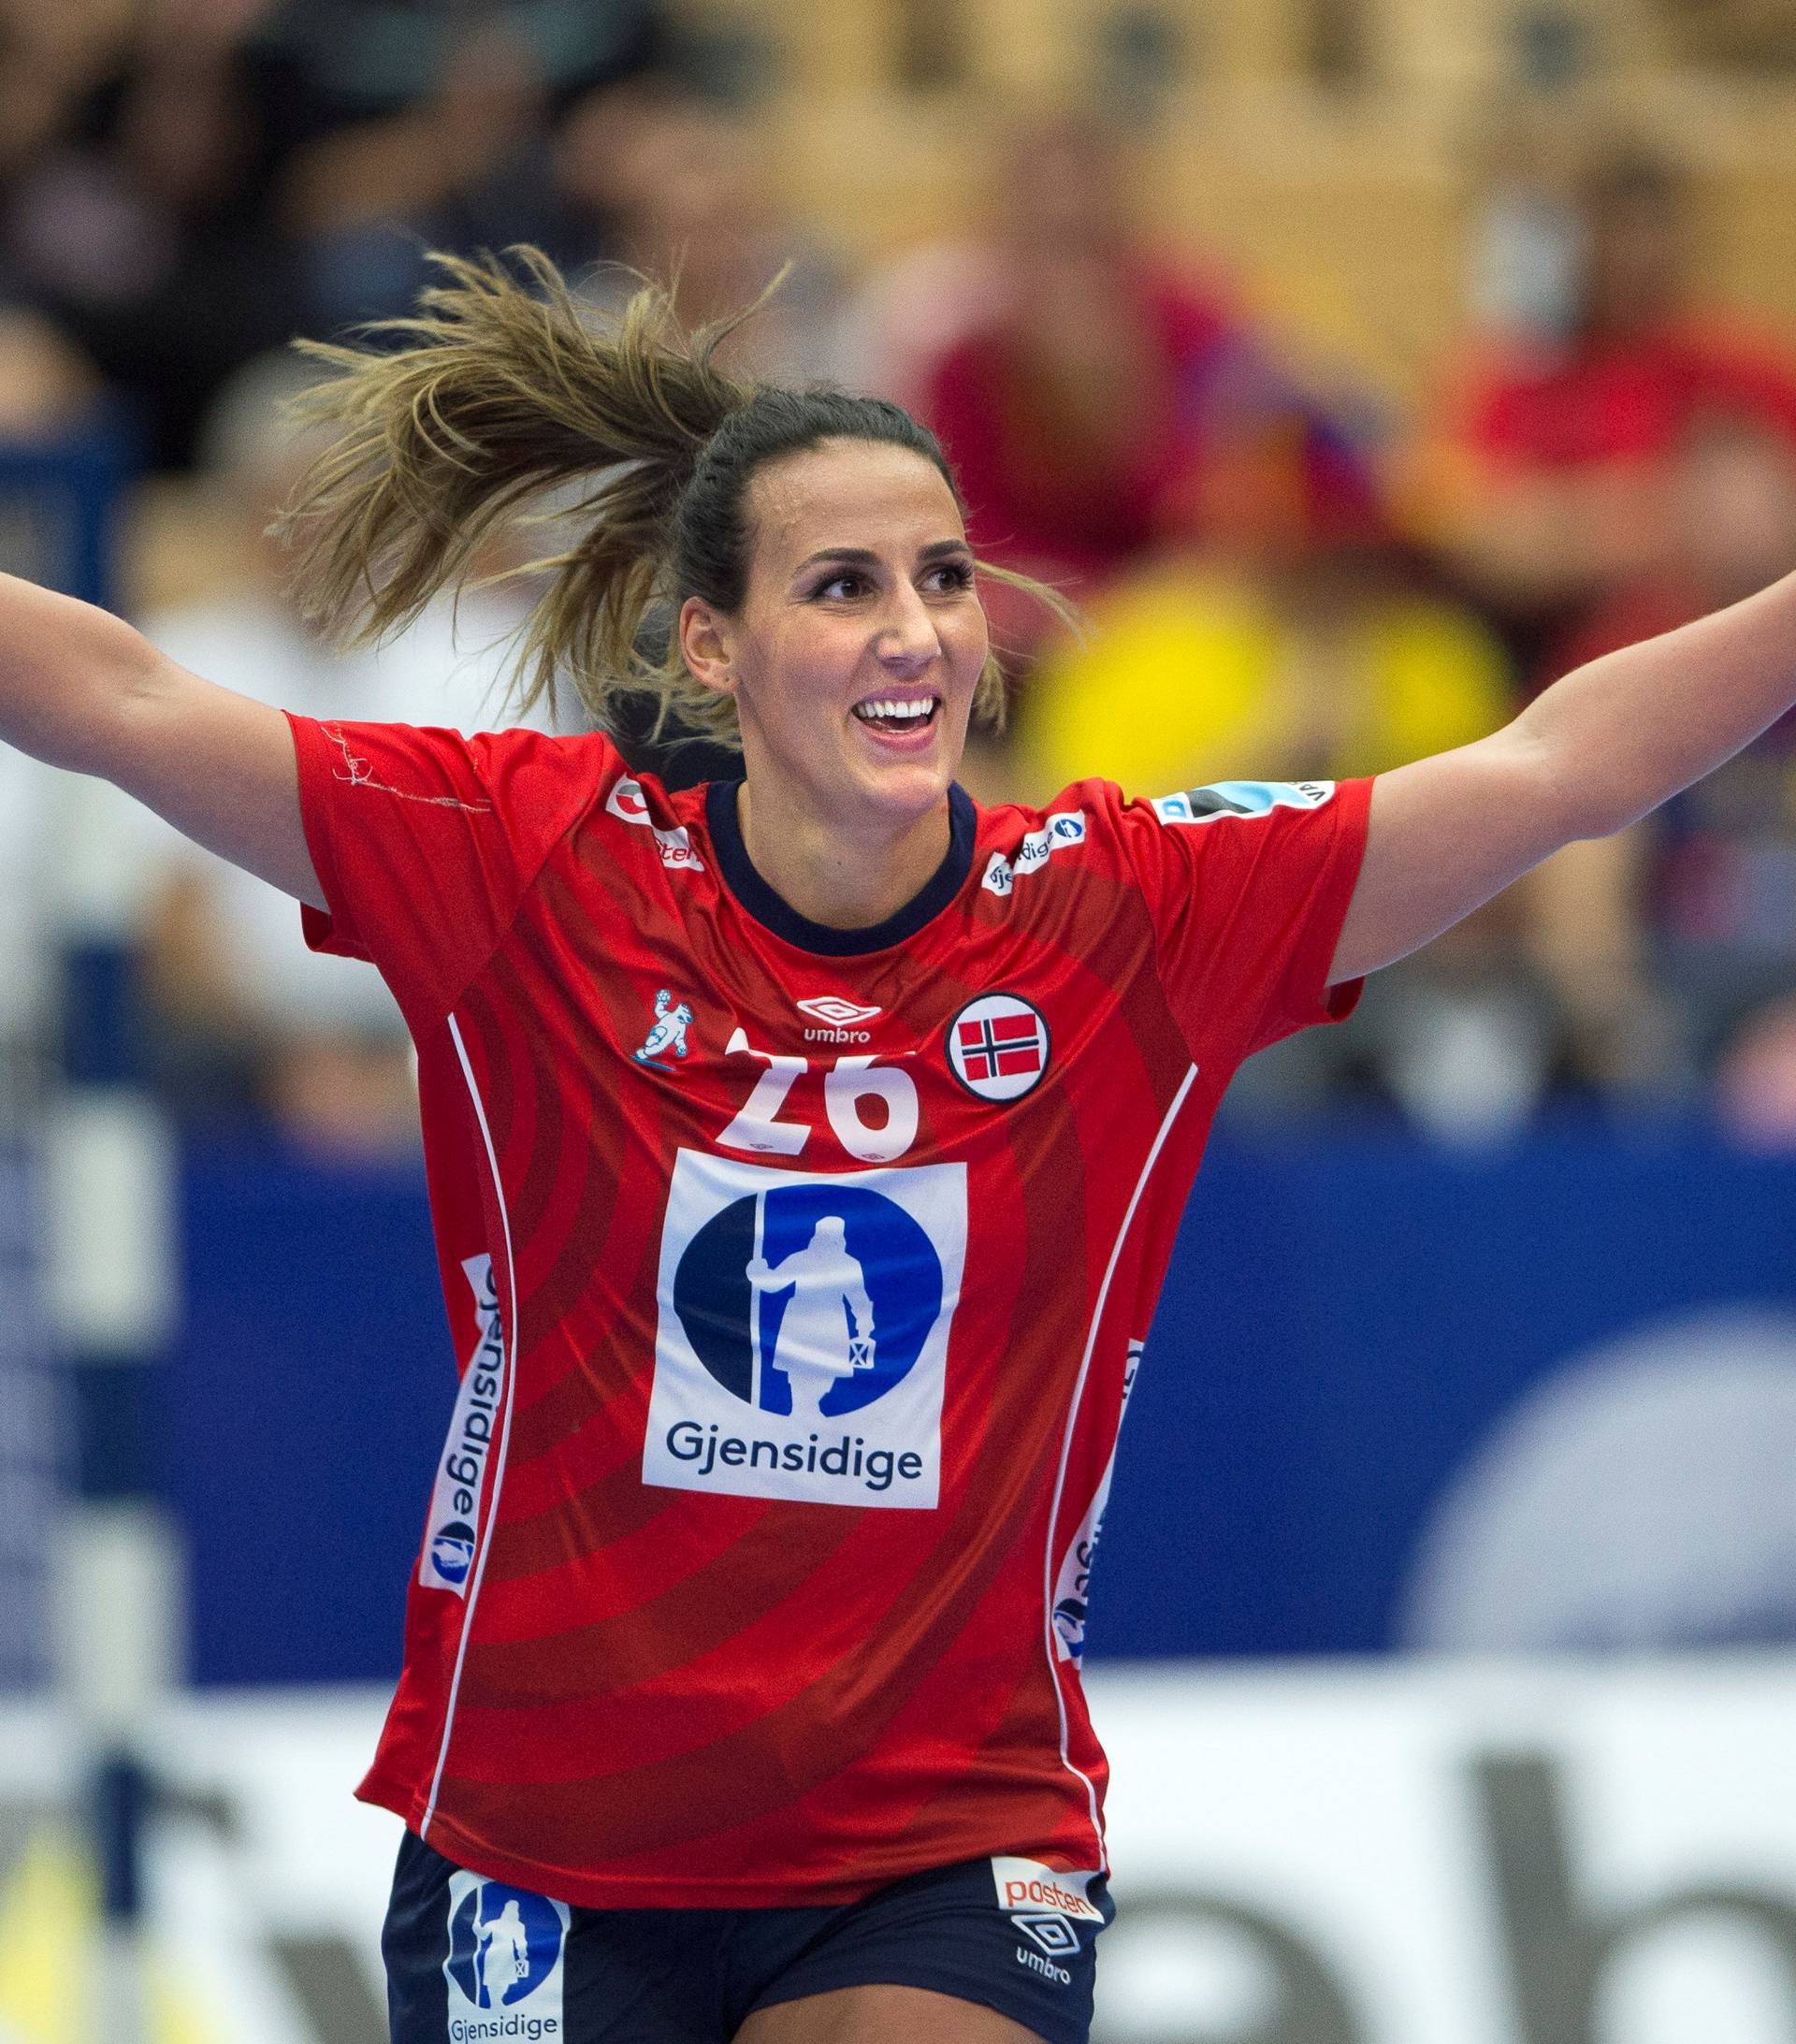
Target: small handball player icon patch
997, 1047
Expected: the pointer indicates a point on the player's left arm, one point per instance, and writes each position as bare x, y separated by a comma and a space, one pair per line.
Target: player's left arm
1590, 755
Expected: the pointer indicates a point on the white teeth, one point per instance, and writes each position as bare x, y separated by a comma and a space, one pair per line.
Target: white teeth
910, 710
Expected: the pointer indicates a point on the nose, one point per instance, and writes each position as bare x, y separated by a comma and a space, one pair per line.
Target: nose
907, 641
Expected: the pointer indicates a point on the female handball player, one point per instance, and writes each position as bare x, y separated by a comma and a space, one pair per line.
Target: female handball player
805, 1151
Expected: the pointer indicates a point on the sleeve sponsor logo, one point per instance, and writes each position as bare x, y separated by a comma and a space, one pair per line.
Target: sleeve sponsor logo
627, 800
1064, 828
1240, 799
452, 1531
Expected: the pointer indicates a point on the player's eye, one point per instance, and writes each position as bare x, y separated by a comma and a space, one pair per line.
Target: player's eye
952, 575
847, 583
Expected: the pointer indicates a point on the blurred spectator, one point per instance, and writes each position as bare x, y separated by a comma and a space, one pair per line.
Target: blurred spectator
251, 1022
47, 386
463, 129
1098, 400
1550, 478
185, 184
1699, 900
1338, 665
687, 186
136, 209
1328, 658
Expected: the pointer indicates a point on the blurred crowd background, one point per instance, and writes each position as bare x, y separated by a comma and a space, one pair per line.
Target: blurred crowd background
1359, 365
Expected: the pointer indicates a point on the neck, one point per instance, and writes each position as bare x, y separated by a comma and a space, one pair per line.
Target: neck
846, 879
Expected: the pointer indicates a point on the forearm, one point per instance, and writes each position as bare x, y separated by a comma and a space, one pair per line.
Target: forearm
67, 671
1633, 728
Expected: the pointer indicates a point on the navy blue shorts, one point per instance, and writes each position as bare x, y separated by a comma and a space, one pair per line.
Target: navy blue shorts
469, 1959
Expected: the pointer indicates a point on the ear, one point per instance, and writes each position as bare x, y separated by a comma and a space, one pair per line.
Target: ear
705, 646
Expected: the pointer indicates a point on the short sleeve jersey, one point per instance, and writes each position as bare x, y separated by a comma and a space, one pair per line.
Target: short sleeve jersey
797, 1278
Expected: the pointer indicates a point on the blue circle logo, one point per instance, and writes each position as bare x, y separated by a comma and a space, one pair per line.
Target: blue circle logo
504, 1944
811, 1300
451, 1551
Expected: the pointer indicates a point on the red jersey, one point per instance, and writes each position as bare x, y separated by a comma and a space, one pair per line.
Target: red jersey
797, 1277
1628, 400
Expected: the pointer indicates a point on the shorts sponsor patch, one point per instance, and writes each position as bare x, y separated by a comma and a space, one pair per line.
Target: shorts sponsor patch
506, 1963
1026, 1888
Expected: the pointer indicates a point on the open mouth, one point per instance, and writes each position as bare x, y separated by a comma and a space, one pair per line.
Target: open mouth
896, 717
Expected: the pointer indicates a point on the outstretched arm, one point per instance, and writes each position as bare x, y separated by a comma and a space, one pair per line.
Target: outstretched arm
81, 688
1592, 754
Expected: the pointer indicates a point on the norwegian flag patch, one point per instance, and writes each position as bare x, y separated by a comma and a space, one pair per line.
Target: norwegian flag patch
997, 1047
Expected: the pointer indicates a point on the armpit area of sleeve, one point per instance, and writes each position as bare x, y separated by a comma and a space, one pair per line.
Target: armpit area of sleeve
1309, 999
333, 928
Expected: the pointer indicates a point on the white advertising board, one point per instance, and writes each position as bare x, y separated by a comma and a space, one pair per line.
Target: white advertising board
1391, 1854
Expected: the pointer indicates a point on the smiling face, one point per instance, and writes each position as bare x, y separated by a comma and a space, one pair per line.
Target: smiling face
855, 654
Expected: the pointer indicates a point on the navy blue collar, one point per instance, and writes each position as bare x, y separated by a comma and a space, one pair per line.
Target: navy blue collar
783, 920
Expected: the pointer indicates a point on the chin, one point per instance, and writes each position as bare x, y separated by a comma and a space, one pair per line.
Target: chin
906, 789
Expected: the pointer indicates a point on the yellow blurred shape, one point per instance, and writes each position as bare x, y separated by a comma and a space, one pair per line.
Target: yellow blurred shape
49, 1923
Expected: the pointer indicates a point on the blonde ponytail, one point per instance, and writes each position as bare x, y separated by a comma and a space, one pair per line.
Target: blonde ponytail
499, 388
505, 386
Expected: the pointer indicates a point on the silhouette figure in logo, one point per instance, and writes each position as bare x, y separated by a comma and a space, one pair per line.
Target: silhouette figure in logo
668, 1035
826, 1332
506, 1959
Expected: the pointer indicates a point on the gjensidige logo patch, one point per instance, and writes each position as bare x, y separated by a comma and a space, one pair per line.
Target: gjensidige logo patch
452, 1531
803, 1334
505, 1965
1065, 827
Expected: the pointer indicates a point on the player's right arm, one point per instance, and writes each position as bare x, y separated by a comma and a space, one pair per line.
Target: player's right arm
81, 688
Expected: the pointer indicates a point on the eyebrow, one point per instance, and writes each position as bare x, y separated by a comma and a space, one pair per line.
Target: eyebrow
864, 556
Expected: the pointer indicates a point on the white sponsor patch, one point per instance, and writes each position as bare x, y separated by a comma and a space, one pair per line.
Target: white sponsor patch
1240, 799
452, 1531
626, 800
1073, 1584
1026, 1887
505, 1970
801, 1344
1065, 827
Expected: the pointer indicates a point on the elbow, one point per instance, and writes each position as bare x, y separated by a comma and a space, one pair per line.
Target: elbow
1579, 796
135, 682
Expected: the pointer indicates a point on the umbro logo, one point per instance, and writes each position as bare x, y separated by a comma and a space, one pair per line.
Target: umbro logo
840, 1018
1052, 1933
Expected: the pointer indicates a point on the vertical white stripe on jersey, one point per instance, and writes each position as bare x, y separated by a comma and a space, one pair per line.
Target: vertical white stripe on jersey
491, 1518
1065, 1454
